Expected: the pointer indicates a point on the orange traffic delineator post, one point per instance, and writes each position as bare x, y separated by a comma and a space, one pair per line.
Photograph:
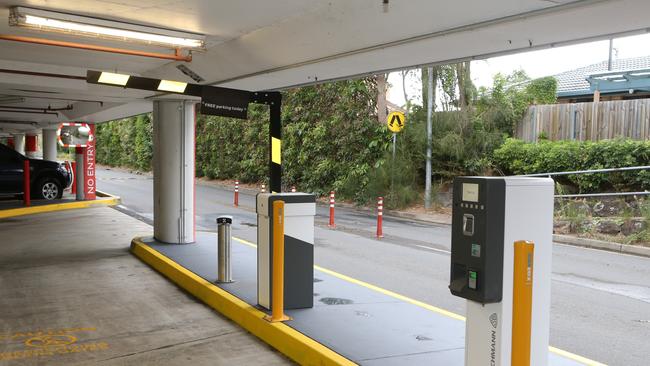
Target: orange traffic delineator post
331, 225
277, 279
380, 214
522, 303
236, 202
26, 194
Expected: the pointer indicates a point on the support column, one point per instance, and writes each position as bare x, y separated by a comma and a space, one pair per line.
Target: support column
49, 145
19, 142
31, 145
173, 168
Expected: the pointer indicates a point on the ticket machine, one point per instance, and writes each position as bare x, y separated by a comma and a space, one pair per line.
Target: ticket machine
489, 215
299, 212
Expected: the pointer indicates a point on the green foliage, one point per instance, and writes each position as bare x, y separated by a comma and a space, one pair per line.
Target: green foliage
505, 104
518, 157
331, 139
126, 142
542, 90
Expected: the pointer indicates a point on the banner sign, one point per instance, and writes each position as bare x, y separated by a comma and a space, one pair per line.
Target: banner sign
90, 181
225, 102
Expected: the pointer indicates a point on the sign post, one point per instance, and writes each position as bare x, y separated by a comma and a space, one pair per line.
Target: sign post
395, 122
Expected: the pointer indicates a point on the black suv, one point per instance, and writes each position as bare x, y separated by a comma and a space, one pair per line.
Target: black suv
48, 179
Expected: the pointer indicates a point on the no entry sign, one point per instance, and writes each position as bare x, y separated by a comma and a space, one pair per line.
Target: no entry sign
90, 181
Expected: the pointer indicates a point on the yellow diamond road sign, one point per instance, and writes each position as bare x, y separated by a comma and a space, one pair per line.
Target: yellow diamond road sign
396, 121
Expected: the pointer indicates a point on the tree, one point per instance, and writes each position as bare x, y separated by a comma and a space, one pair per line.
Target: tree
382, 87
465, 85
425, 84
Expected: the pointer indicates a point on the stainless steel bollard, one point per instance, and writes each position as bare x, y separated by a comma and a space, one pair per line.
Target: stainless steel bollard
224, 249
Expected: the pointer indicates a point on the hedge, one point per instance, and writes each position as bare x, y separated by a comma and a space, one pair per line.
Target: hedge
519, 157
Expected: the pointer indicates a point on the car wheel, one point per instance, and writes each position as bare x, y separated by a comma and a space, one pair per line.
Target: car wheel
49, 189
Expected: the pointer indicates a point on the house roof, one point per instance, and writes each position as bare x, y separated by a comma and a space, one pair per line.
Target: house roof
574, 82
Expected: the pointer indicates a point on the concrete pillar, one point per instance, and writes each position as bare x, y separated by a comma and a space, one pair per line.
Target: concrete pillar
19, 142
31, 145
173, 168
49, 145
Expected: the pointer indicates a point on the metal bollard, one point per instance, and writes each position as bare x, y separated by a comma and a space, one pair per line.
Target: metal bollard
224, 249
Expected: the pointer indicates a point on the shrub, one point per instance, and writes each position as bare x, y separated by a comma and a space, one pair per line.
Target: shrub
518, 157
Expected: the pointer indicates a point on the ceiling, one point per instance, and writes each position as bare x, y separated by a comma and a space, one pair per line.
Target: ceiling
257, 45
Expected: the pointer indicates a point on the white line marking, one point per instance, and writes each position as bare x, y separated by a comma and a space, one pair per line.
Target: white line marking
433, 249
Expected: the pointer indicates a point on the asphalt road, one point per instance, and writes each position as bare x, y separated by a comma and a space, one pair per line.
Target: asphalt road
600, 300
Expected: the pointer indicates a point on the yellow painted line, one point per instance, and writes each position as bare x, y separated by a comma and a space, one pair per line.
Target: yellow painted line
391, 293
250, 244
280, 336
435, 309
13, 212
575, 357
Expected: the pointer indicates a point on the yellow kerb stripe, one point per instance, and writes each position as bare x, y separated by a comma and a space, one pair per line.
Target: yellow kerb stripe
421, 304
12, 212
276, 150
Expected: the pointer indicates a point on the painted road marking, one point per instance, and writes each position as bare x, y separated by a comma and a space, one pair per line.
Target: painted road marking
48, 343
433, 249
563, 353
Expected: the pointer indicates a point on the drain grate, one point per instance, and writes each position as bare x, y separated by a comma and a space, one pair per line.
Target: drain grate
335, 301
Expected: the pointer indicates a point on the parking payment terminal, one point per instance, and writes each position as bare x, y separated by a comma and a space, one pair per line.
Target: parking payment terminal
489, 215
477, 222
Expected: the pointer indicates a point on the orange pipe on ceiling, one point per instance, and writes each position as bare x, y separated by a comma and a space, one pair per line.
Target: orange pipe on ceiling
83, 46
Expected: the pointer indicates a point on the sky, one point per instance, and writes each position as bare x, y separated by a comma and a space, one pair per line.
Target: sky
536, 63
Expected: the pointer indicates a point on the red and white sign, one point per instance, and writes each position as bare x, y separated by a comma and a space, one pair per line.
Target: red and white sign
90, 181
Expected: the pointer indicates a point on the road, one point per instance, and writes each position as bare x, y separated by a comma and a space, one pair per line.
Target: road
600, 300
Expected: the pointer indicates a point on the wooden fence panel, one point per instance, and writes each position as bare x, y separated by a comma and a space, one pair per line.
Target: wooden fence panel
586, 121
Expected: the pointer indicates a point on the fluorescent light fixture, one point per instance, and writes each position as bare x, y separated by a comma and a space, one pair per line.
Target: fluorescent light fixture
99, 28
172, 86
113, 79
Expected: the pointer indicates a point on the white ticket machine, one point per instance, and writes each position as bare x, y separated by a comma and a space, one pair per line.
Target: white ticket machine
299, 212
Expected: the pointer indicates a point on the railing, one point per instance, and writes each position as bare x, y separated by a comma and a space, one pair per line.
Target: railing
592, 171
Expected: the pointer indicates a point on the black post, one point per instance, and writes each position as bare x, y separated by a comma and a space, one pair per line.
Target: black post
275, 143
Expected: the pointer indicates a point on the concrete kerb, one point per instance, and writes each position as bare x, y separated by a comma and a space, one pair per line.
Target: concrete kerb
288, 341
106, 199
604, 245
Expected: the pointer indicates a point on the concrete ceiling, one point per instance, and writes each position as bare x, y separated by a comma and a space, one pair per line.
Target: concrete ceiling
256, 45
